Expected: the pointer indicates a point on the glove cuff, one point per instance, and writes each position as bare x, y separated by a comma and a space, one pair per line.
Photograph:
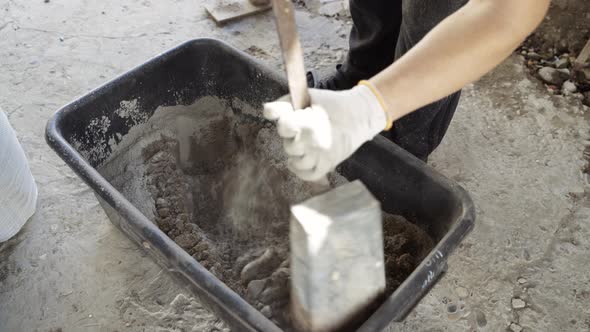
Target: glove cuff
380, 100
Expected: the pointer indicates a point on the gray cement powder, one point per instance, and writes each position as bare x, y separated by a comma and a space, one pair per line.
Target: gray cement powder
214, 180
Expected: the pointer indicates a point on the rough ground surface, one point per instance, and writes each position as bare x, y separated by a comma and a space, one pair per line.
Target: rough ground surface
516, 149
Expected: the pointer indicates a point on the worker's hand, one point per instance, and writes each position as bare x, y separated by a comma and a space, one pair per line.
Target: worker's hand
320, 137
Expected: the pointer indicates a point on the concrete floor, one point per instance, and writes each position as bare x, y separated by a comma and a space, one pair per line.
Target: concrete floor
516, 149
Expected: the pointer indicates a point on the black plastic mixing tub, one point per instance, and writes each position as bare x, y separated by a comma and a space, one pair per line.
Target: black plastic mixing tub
204, 67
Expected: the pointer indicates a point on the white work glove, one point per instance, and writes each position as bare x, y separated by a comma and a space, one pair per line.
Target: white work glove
320, 137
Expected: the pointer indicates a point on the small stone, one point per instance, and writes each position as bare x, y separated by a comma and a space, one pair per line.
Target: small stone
61, 39
552, 76
261, 267
452, 308
163, 212
331, 8
515, 327
534, 56
46, 1
274, 294
521, 280
565, 71
165, 225
255, 288
569, 86
518, 303
578, 96
462, 292
480, 318
266, 311
280, 278
161, 203
205, 264
200, 256
186, 241
562, 63
180, 225
246, 258
201, 247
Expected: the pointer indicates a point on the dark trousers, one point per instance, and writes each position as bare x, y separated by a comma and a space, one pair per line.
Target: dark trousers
383, 31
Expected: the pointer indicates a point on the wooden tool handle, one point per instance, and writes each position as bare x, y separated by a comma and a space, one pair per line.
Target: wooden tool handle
292, 53
293, 59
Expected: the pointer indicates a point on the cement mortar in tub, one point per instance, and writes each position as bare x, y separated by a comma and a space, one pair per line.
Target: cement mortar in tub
213, 178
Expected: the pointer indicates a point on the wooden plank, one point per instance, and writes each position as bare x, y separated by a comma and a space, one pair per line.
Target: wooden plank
226, 11
583, 57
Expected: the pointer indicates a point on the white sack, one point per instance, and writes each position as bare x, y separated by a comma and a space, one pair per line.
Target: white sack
18, 192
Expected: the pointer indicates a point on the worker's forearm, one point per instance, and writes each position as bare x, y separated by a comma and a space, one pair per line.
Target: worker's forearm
458, 51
